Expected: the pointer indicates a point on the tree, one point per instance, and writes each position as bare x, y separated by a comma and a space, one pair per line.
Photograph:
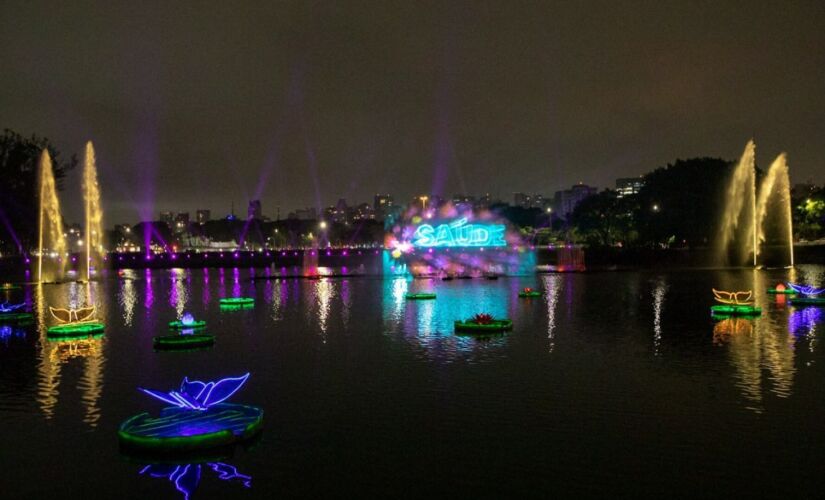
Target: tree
20, 187
604, 219
683, 202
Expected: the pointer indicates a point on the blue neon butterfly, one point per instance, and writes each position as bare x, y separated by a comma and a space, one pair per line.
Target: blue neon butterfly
6, 308
806, 290
197, 395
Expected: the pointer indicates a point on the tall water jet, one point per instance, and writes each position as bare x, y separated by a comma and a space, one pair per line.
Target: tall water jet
50, 234
94, 214
740, 205
774, 190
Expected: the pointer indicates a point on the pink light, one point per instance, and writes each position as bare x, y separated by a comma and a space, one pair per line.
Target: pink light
236, 255
344, 252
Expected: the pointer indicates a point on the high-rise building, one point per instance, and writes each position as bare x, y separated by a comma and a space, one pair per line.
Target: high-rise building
627, 186
566, 201
524, 200
253, 211
181, 222
168, 218
203, 216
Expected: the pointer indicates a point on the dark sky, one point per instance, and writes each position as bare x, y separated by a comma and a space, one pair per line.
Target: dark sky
301, 103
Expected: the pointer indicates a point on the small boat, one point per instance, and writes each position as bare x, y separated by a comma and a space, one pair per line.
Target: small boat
491, 276
447, 278
185, 341
420, 296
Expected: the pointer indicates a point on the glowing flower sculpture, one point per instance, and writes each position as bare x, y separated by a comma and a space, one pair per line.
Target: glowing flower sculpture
197, 395
806, 290
187, 319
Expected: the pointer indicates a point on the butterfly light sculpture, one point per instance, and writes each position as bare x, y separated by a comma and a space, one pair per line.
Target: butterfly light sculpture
7, 308
806, 290
197, 395
733, 298
79, 315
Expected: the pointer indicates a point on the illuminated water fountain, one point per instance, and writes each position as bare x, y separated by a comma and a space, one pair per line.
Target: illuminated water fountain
746, 211
50, 234
93, 212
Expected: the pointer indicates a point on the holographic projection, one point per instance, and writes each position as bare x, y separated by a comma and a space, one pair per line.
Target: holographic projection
449, 244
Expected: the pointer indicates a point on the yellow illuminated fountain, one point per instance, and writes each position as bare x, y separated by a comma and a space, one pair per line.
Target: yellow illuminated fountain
94, 213
50, 238
743, 225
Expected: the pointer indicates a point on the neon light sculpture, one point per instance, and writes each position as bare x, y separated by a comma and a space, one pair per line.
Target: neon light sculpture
459, 234
528, 292
808, 295
186, 477
8, 308
483, 323
197, 395
806, 290
198, 418
187, 322
733, 304
78, 315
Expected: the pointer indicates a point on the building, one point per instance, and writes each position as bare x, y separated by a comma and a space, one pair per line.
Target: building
303, 214
564, 202
167, 217
203, 216
253, 211
181, 222
364, 211
627, 186
524, 200
382, 203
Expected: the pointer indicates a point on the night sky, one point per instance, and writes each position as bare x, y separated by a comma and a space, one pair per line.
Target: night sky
301, 103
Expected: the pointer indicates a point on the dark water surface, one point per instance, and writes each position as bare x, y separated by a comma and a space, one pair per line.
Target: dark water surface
611, 384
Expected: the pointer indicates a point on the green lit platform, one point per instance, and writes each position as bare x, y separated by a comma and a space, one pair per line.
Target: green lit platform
75, 329
179, 325
496, 326
9, 286
237, 301
529, 294
420, 296
786, 291
190, 341
16, 317
808, 301
735, 310
177, 430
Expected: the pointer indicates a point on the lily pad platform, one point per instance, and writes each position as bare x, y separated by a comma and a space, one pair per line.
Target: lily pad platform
179, 430
15, 317
237, 301
808, 301
529, 294
786, 291
75, 329
495, 326
180, 325
735, 310
9, 286
187, 341
420, 296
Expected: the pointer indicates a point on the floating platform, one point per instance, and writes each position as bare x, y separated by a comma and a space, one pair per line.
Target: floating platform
9, 286
237, 302
420, 296
179, 430
808, 301
735, 310
785, 291
75, 329
180, 325
16, 317
529, 294
186, 341
495, 326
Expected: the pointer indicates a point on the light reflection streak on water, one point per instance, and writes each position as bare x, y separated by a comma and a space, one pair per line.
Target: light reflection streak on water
205, 297
178, 293
802, 322
127, 299
346, 302
236, 282
54, 354
659, 292
149, 296
552, 283
324, 292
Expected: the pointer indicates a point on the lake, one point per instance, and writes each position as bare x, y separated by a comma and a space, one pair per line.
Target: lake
610, 384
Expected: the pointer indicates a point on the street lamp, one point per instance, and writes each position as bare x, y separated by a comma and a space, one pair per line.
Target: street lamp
323, 224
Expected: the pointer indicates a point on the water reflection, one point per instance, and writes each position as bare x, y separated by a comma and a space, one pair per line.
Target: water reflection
659, 291
803, 322
178, 292
763, 356
186, 477
552, 283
